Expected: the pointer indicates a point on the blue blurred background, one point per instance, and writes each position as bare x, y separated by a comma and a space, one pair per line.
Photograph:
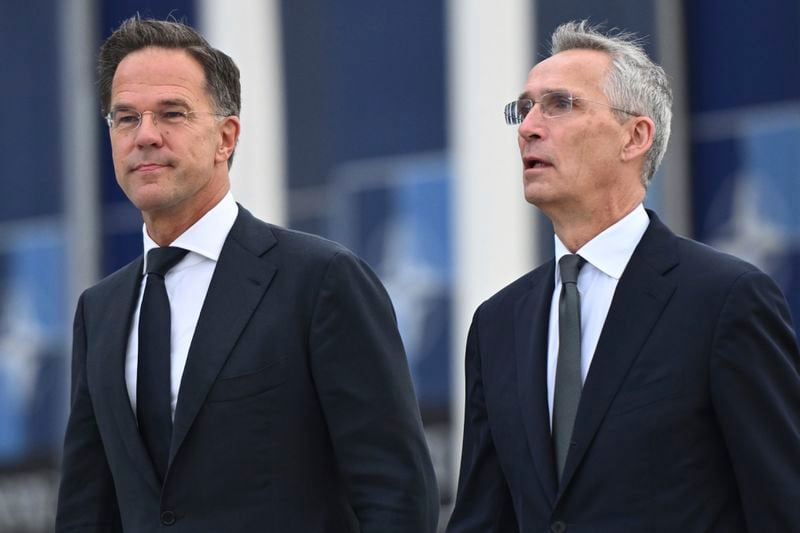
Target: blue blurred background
370, 132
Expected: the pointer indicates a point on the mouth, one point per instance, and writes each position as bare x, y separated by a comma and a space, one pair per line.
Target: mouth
535, 163
148, 167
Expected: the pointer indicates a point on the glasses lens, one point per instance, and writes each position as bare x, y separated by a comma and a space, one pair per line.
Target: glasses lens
511, 114
124, 119
172, 117
556, 104
516, 111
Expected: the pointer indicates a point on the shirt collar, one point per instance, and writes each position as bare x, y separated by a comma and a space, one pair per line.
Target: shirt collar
206, 236
611, 250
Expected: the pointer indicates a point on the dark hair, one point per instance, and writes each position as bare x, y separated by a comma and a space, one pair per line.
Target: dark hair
135, 33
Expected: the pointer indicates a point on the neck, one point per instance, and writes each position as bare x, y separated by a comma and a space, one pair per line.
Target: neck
581, 226
166, 226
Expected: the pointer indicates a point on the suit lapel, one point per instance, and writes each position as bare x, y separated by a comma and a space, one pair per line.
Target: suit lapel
240, 279
112, 346
641, 295
531, 318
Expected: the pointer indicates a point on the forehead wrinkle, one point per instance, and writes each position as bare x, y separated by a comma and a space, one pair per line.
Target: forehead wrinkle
584, 71
162, 95
153, 73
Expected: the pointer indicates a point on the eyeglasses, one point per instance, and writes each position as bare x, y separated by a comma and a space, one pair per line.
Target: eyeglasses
552, 105
124, 120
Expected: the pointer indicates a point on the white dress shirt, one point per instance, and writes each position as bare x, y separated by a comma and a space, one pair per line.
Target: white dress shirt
187, 284
606, 257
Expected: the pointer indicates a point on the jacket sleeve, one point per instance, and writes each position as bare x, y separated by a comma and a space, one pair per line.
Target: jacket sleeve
364, 385
483, 501
87, 501
755, 385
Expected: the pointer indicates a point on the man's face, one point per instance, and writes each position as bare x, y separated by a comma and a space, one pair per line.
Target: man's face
572, 163
167, 170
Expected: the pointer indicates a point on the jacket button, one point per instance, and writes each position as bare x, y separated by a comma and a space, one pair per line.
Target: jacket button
558, 527
167, 518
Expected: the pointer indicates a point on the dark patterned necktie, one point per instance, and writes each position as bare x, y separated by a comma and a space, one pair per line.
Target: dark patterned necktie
153, 389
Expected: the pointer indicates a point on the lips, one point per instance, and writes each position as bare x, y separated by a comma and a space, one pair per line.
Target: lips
532, 162
149, 167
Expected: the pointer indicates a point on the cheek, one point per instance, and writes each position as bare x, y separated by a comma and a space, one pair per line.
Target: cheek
199, 147
118, 157
116, 150
594, 143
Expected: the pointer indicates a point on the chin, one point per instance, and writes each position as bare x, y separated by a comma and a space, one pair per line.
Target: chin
150, 201
536, 195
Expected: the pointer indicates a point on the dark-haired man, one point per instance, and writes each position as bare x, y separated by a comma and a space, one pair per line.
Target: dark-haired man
239, 377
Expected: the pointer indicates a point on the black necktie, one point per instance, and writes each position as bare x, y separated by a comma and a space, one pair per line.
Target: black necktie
153, 389
568, 369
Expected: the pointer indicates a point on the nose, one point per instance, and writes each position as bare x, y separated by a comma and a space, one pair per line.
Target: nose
532, 126
148, 133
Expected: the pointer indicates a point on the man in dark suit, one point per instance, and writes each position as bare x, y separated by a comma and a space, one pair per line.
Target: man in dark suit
281, 400
639, 381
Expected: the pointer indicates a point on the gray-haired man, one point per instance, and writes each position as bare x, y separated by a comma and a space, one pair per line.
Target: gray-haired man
639, 381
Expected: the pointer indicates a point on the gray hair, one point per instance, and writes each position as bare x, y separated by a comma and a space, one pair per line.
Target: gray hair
634, 83
135, 33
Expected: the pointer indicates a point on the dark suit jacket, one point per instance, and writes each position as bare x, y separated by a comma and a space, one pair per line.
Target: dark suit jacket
689, 418
296, 411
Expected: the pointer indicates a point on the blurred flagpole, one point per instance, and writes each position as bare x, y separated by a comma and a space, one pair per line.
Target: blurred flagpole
490, 52
81, 113
250, 32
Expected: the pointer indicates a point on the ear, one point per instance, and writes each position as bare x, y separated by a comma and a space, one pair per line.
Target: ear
229, 129
639, 138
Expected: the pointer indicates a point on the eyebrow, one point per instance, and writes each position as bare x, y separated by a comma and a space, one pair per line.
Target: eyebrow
180, 102
527, 94
169, 102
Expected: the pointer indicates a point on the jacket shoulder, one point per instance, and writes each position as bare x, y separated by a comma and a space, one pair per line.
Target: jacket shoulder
126, 274
259, 236
711, 264
307, 244
540, 279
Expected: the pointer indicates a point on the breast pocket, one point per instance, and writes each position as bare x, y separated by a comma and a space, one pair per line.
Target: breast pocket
642, 395
243, 386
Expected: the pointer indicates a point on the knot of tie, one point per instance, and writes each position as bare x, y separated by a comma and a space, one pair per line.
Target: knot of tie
570, 265
160, 260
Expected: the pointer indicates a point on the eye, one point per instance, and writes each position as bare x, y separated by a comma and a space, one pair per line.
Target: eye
524, 106
125, 118
556, 104
172, 116
562, 101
